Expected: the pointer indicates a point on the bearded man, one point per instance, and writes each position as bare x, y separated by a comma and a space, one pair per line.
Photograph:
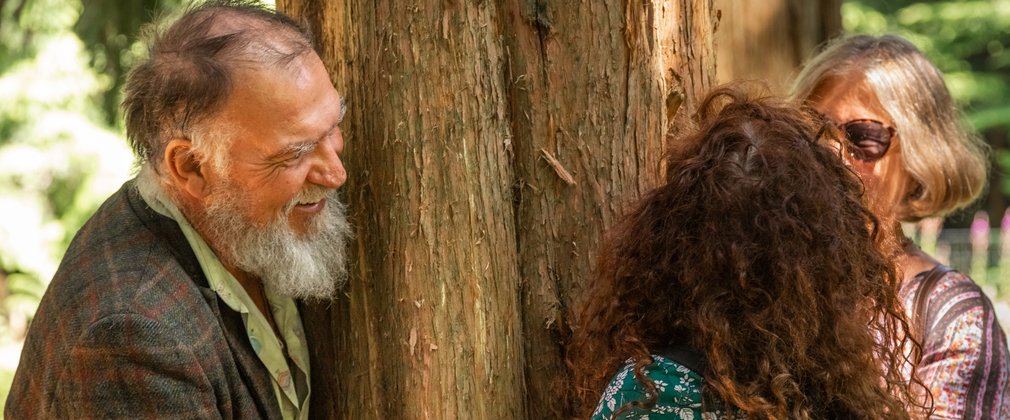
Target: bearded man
177, 298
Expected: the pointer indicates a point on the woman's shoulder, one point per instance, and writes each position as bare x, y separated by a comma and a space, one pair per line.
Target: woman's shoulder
955, 291
678, 388
960, 320
965, 358
952, 290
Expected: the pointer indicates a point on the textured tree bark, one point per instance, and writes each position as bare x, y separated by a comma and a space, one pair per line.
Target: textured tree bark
592, 90
769, 40
488, 146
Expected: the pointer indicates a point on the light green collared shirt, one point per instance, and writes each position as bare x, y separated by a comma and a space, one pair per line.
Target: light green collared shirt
291, 388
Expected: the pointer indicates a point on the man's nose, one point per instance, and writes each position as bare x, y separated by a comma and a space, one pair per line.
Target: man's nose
329, 171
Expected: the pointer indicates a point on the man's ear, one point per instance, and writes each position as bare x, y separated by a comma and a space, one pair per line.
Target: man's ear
184, 168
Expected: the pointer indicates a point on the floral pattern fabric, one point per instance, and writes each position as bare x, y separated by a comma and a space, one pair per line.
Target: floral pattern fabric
679, 388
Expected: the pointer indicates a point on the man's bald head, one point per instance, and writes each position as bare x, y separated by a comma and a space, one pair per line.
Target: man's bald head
190, 71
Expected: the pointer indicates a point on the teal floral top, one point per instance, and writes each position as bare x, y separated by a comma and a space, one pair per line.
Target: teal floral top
679, 388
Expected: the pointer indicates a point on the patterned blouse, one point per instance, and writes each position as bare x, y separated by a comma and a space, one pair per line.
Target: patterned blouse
679, 391
965, 362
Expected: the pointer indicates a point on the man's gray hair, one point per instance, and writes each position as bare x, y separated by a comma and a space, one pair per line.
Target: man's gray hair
190, 68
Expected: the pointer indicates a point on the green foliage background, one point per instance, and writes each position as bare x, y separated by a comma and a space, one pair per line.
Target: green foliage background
62, 150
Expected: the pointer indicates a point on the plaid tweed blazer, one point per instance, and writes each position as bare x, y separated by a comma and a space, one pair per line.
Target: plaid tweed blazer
129, 329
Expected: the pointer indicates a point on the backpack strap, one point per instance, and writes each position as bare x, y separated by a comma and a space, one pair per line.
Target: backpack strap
685, 356
919, 305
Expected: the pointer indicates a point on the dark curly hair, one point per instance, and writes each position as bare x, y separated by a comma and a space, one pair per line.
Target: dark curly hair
759, 253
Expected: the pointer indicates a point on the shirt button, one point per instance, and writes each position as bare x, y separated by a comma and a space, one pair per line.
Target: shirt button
284, 379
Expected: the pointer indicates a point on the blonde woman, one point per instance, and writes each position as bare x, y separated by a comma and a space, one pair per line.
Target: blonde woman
917, 160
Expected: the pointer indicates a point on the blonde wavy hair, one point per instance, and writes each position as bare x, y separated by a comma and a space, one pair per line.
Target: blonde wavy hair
945, 164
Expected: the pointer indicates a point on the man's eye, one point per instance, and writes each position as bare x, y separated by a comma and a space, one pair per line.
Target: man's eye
288, 161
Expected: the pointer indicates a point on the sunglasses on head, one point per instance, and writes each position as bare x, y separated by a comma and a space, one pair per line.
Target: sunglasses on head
869, 139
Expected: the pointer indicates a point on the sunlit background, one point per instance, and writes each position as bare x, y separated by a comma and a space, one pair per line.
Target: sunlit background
62, 149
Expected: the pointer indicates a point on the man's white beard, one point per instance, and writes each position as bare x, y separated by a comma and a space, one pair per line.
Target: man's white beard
309, 266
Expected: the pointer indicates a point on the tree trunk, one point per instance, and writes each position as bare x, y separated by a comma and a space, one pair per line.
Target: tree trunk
768, 40
592, 90
488, 146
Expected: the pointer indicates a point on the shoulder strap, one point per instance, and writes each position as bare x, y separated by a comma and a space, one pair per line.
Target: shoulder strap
919, 315
685, 356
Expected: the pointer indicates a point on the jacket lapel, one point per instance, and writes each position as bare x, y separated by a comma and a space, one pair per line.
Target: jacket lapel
250, 369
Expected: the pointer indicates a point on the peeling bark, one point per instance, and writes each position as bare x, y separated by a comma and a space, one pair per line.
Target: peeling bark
489, 145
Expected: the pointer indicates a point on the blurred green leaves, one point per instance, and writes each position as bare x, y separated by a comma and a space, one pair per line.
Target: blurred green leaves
966, 39
59, 156
110, 31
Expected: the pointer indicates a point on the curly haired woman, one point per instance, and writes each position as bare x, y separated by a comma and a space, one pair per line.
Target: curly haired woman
751, 285
917, 161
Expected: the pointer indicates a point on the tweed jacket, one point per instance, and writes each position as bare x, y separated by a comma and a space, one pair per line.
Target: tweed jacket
129, 329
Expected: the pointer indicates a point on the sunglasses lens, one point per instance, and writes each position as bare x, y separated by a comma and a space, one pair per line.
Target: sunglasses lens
870, 139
